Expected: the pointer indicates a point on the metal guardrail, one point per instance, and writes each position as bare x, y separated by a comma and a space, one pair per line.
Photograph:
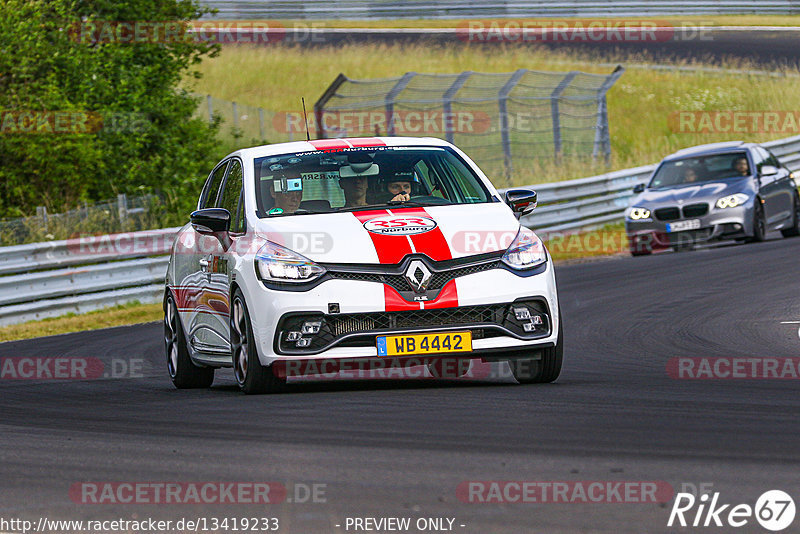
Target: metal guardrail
471, 9
50, 279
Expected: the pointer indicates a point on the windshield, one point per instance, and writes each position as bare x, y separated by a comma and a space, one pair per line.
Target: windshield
357, 178
701, 169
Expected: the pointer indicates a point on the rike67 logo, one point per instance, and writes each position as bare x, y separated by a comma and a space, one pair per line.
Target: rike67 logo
774, 510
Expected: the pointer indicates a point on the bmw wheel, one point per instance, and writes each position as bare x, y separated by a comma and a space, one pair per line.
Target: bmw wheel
251, 376
183, 372
794, 230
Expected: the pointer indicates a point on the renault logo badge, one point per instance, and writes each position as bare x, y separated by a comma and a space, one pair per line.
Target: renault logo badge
418, 275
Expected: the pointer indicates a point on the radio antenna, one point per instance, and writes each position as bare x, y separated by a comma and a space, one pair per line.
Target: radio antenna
305, 118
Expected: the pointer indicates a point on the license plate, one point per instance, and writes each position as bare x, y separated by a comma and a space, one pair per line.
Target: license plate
691, 224
424, 344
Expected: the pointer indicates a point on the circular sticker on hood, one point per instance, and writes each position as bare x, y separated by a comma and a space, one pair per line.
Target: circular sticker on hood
400, 225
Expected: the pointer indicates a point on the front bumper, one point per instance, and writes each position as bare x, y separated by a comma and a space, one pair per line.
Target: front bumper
718, 224
483, 303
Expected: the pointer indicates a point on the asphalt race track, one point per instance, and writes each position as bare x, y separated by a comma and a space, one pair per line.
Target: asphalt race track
402, 447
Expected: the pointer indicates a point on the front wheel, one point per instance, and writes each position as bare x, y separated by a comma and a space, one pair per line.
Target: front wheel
759, 223
183, 372
544, 370
251, 376
794, 230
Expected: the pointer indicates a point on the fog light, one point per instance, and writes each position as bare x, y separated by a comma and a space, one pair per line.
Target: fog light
293, 336
311, 327
303, 342
522, 314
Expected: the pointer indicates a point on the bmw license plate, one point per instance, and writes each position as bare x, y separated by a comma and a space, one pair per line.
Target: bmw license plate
424, 344
680, 226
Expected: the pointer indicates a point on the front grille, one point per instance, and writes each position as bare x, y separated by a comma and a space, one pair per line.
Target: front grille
398, 280
668, 214
360, 329
695, 210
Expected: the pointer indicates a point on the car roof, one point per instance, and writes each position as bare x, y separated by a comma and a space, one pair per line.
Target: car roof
710, 149
347, 142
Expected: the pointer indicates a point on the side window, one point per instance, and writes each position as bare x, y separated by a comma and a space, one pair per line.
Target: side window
761, 157
231, 193
209, 197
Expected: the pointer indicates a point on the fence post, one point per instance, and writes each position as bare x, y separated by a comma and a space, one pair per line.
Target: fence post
261, 123
502, 98
391, 96
41, 212
210, 109
602, 139
447, 105
234, 109
556, 114
122, 209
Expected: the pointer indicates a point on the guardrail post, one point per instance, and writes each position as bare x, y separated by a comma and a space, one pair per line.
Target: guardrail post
502, 98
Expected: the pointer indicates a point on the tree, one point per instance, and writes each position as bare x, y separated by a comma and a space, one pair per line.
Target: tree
132, 128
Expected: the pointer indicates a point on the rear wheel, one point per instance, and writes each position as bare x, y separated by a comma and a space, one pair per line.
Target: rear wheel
183, 372
251, 376
794, 230
546, 369
759, 223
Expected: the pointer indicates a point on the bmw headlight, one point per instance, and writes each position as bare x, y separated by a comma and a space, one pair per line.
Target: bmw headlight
732, 201
636, 214
279, 264
526, 251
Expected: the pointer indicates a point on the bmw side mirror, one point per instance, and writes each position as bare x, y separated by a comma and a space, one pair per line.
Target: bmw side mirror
638, 188
211, 221
521, 201
768, 170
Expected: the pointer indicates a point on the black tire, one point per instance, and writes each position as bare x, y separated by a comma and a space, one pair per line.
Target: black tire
447, 368
251, 376
794, 230
759, 223
544, 370
182, 370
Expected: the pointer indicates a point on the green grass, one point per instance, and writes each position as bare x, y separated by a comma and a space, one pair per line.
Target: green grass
126, 314
640, 104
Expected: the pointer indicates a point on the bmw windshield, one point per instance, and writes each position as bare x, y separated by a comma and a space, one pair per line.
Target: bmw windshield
711, 168
363, 178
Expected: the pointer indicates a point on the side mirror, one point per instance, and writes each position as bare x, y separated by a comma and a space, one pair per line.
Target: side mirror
768, 170
521, 201
638, 188
211, 221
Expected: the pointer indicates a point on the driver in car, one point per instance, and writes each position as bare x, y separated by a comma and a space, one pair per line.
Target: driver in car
740, 165
288, 201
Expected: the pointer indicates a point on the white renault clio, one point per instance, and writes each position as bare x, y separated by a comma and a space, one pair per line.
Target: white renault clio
303, 256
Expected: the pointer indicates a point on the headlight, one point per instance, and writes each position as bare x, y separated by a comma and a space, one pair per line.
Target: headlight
279, 264
526, 251
638, 213
731, 201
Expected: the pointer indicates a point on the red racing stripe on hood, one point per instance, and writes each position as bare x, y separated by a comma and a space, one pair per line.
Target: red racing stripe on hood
391, 249
432, 243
